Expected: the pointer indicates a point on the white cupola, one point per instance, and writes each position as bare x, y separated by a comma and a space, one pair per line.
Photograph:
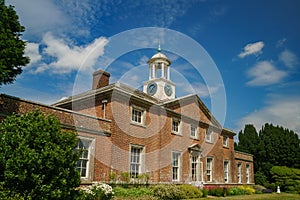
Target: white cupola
159, 84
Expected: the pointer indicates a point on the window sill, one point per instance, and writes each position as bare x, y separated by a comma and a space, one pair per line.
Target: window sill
194, 138
226, 147
175, 133
137, 124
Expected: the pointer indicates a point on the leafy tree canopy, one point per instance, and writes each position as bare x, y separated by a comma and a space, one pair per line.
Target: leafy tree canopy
37, 159
12, 48
287, 178
273, 146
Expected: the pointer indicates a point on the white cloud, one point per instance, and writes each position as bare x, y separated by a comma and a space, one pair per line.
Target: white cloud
200, 89
40, 16
66, 58
265, 73
288, 58
281, 42
32, 51
252, 48
284, 111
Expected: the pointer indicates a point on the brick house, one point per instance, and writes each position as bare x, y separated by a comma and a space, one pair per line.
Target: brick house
173, 140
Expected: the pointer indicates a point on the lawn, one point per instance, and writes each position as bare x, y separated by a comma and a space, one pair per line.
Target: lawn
273, 196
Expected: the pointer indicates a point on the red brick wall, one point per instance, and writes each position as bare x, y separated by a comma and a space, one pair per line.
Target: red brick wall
113, 153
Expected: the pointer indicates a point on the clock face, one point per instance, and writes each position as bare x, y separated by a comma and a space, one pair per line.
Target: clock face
168, 90
152, 88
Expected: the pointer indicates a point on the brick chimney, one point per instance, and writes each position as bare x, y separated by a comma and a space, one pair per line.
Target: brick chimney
100, 79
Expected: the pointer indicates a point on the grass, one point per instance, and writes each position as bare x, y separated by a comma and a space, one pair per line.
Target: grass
273, 196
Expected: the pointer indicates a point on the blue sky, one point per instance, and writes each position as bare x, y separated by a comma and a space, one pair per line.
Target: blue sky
254, 45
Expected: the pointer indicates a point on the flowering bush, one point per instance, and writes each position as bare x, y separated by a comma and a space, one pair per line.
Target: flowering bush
167, 192
241, 190
96, 191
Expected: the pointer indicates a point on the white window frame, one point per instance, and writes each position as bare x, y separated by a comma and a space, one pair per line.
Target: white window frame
209, 136
225, 141
248, 173
194, 129
136, 160
239, 172
209, 169
195, 168
176, 165
226, 171
85, 156
134, 116
176, 129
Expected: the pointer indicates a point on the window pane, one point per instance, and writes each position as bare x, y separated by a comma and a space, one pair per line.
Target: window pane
193, 131
194, 167
208, 135
209, 169
82, 163
175, 166
136, 115
135, 159
175, 125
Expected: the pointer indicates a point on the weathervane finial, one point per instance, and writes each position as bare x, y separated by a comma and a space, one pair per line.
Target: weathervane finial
159, 50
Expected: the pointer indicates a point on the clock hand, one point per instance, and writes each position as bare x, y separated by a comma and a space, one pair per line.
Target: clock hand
151, 88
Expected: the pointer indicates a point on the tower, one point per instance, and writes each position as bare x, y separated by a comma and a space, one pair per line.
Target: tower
159, 84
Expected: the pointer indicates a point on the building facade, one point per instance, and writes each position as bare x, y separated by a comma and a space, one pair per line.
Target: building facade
172, 140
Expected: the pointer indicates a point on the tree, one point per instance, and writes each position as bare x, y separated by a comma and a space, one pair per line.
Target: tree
12, 48
248, 141
279, 147
273, 146
37, 159
287, 178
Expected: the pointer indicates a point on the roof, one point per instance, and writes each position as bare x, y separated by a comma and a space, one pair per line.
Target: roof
125, 90
115, 87
196, 98
159, 56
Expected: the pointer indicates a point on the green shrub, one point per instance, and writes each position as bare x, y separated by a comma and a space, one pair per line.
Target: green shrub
287, 178
204, 192
260, 178
96, 191
259, 189
216, 191
247, 189
272, 186
143, 178
112, 176
125, 177
167, 192
132, 192
241, 190
37, 158
219, 192
10, 195
297, 188
190, 192
145, 197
